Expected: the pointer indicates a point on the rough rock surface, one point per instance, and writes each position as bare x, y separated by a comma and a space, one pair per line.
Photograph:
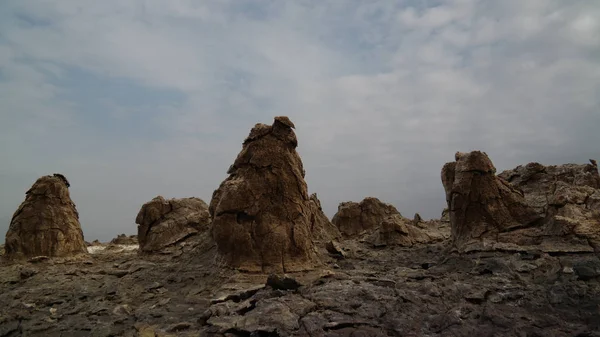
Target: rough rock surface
568, 198
394, 291
262, 213
357, 218
397, 230
321, 228
46, 223
163, 223
482, 205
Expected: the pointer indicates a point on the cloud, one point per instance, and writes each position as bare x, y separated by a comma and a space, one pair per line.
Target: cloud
134, 99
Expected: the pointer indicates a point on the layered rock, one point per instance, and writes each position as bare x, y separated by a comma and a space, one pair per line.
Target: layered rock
321, 228
356, 218
46, 223
552, 209
262, 214
123, 239
163, 223
482, 205
397, 230
568, 198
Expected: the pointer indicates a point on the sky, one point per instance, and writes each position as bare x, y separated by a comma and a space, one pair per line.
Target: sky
134, 99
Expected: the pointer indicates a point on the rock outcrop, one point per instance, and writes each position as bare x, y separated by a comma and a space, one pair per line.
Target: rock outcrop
552, 209
357, 218
262, 213
46, 223
321, 228
123, 239
568, 198
397, 230
163, 223
482, 205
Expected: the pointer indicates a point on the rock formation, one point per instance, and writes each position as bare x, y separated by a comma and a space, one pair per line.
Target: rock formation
353, 219
482, 205
262, 213
321, 228
552, 208
397, 230
162, 223
568, 198
123, 239
46, 223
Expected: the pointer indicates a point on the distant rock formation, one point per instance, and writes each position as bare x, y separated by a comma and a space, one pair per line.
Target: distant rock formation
46, 223
553, 209
123, 239
356, 218
397, 230
162, 223
262, 213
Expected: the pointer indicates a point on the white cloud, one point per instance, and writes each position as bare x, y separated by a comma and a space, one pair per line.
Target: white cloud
382, 94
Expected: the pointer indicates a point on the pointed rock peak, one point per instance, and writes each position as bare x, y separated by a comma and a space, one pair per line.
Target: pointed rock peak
63, 178
46, 223
285, 121
263, 217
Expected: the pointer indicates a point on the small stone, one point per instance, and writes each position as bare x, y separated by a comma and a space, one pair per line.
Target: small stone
282, 283
333, 247
53, 311
179, 327
27, 273
117, 272
122, 309
477, 296
153, 286
37, 259
568, 270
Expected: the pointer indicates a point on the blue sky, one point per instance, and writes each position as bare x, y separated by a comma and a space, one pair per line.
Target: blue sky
145, 97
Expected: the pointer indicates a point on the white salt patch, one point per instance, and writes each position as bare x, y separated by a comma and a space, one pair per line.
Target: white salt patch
95, 249
113, 249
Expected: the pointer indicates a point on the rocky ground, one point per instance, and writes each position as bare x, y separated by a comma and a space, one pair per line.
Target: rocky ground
425, 290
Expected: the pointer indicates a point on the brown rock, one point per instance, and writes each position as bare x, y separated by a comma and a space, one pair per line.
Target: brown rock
482, 205
162, 223
46, 223
397, 230
445, 215
123, 239
262, 214
333, 247
353, 219
568, 198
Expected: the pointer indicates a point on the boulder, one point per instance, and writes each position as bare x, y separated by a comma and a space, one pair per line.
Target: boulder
480, 204
46, 223
399, 231
263, 217
163, 223
354, 219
